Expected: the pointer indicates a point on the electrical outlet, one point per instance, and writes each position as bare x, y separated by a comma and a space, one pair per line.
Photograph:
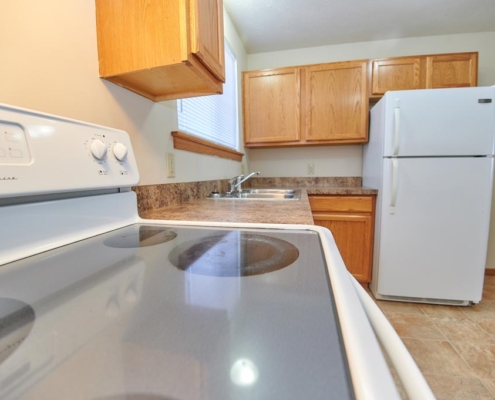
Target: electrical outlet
170, 165
311, 169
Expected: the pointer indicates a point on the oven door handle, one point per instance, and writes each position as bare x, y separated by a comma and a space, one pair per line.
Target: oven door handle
411, 377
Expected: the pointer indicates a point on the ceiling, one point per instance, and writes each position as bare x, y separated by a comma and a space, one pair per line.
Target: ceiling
271, 25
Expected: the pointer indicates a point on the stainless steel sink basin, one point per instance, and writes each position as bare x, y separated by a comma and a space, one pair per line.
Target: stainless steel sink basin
269, 191
259, 194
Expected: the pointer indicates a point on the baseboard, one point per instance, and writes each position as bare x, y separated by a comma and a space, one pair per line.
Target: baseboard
490, 271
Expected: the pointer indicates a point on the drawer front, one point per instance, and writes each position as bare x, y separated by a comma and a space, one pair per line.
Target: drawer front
341, 203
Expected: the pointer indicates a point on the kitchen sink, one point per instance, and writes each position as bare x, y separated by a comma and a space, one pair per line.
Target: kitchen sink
269, 191
259, 194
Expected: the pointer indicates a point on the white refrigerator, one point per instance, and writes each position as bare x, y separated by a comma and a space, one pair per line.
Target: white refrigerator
430, 156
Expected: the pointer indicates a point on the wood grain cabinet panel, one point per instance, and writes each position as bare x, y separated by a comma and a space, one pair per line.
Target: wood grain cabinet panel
336, 106
352, 234
271, 106
423, 72
160, 49
308, 105
452, 70
207, 40
351, 221
395, 74
341, 203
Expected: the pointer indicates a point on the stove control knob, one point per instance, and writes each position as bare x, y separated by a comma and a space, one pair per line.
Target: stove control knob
120, 151
98, 149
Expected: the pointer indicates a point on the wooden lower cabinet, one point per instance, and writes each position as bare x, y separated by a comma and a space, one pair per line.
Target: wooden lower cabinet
351, 221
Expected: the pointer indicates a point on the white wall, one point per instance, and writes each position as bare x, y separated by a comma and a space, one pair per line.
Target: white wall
327, 160
49, 62
346, 160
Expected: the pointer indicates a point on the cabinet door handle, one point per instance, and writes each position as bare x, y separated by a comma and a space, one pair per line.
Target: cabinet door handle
397, 127
395, 183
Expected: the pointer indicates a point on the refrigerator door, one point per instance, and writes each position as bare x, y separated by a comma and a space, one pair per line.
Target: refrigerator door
440, 122
433, 243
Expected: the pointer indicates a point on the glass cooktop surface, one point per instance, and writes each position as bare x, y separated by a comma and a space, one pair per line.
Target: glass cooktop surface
167, 312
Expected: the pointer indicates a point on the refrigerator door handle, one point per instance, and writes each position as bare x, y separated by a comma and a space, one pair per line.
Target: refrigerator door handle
395, 182
397, 127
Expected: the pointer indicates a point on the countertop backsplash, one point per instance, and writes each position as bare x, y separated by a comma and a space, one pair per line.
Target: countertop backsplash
152, 197
304, 182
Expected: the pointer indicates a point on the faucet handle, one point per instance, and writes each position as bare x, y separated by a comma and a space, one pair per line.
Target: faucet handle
237, 178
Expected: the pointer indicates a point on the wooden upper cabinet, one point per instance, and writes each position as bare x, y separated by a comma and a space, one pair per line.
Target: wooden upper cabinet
452, 70
395, 74
306, 106
336, 103
207, 43
162, 50
423, 72
271, 106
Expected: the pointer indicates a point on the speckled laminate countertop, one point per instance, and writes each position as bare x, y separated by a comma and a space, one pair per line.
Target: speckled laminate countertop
252, 211
336, 190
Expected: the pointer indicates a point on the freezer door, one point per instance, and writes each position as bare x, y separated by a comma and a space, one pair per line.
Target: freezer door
433, 242
440, 122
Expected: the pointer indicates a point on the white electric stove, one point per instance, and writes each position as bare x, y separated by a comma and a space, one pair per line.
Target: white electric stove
96, 303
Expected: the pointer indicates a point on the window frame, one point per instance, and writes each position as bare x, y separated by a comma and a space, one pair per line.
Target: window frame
194, 143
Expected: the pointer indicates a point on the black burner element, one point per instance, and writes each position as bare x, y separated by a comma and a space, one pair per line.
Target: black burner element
233, 254
140, 236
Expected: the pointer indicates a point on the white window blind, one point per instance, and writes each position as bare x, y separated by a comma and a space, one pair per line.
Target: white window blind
214, 118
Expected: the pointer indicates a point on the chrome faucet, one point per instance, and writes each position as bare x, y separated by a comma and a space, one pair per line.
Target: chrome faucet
236, 181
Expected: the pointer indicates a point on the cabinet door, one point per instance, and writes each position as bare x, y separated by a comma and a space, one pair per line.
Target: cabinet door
145, 46
353, 235
336, 103
271, 106
452, 70
207, 41
395, 74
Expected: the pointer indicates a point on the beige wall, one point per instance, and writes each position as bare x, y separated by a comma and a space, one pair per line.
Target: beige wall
346, 160
48, 62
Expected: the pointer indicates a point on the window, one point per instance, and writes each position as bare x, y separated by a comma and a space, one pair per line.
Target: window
214, 118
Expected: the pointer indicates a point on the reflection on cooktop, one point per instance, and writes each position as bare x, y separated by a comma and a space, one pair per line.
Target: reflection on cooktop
16, 321
233, 254
134, 396
140, 236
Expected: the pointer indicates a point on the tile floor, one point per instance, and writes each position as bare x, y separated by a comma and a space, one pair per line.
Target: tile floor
453, 346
